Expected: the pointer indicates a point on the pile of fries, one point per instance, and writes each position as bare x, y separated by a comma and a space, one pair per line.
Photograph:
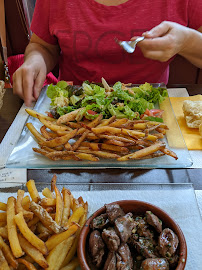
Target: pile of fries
120, 139
41, 233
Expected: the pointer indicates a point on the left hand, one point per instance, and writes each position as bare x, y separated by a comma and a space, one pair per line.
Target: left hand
164, 41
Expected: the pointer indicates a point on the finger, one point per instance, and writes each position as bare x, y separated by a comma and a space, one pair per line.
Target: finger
28, 83
38, 84
157, 44
134, 38
157, 55
158, 31
17, 85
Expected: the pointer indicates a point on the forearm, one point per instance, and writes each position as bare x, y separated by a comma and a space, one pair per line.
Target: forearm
38, 53
193, 49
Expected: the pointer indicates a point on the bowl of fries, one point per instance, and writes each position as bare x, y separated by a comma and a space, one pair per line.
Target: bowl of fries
40, 229
136, 209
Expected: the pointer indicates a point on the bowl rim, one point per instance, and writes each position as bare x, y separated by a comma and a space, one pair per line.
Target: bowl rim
81, 252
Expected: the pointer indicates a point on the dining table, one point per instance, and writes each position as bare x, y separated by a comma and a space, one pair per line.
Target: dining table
176, 190
13, 103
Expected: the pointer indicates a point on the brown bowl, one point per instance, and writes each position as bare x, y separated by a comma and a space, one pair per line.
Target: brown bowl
137, 208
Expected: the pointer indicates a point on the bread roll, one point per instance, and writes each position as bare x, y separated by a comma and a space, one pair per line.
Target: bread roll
192, 113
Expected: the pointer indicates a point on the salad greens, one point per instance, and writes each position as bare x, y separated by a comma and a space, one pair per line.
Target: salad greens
121, 101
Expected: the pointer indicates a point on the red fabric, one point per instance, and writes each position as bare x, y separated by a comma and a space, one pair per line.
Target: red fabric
85, 31
14, 62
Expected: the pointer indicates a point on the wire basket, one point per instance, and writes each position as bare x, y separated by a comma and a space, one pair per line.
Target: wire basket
2, 92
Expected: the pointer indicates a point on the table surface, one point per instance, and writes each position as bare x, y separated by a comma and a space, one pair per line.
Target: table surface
11, 107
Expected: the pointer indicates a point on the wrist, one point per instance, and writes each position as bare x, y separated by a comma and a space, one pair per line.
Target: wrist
190, 38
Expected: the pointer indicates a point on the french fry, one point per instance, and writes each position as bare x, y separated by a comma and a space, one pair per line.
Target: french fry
47, 193
114, 148
12, 230
8, 254
86, 156
45, 218
34, 114
117, 138
4, 232
19, 208
143, 152
29, 235
53, 182
35, 133
72, 265
33, 252
3, 262
59, 206
28, 265
44, 153
48, 202
3, 206
68, 117
56, 239
58, 254
93, 146
33, 191
59, 140
107, 122
66, 208
119, 122
75, 217
48, 135
3, 223
44, 233
102, 154
33, 222
26, 202
3, 216
68, 146
51, 125
80, 140
73, 249
169, 152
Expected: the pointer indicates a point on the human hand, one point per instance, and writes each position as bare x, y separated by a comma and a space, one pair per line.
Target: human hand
28, 80
164, 41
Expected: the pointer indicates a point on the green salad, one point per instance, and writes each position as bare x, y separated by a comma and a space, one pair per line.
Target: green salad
120, 100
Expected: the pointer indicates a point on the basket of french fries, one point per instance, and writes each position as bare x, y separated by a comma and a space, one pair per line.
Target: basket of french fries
41, 231
98, 139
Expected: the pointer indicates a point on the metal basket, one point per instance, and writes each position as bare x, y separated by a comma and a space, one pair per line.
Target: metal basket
2, 92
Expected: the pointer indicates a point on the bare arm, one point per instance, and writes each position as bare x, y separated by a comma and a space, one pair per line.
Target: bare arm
168, 39
193, 49
40, 59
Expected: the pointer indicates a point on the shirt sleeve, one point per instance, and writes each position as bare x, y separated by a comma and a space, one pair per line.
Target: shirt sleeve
195, 14
40, 22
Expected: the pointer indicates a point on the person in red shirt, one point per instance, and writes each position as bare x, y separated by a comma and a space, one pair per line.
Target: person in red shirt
80, 35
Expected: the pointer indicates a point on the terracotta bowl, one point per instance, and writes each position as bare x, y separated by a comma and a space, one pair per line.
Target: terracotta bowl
137, 208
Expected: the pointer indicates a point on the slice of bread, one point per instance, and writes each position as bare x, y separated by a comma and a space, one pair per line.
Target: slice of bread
192, 113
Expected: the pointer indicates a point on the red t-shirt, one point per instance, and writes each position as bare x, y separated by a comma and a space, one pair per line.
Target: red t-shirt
85, 31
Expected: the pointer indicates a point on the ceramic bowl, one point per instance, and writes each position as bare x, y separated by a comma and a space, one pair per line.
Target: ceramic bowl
137, 208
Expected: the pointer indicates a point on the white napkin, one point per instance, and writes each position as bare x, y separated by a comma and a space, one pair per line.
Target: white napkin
6, 147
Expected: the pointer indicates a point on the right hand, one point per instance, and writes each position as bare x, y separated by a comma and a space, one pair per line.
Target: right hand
28, 80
